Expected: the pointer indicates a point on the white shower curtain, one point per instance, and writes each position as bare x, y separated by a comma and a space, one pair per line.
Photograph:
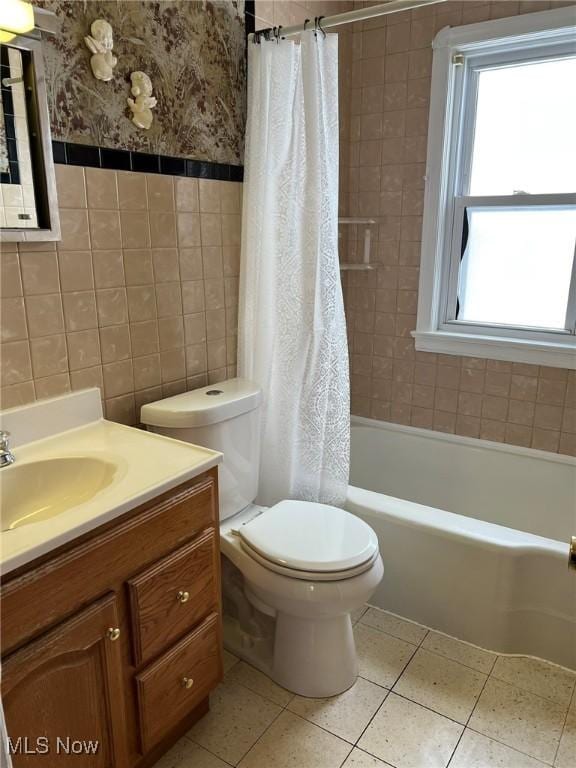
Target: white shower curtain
292, 332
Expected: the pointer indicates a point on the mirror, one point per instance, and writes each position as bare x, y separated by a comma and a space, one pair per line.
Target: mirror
28, 208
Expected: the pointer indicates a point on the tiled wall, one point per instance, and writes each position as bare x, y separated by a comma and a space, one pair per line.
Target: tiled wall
139, 298
524, 405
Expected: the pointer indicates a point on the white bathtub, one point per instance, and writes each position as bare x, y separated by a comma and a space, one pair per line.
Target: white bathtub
474, 535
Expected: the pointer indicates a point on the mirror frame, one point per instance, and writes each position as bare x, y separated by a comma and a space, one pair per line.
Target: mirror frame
41, 152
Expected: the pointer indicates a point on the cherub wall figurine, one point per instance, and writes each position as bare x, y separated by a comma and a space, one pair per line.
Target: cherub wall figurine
100, 43
144, 102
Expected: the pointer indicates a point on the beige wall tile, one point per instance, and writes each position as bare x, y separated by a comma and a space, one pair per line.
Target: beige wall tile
186, 192
17, 394
162, 230
39, 272
75, 270
189, 230
112, 306
118, 378
104, 229
101, 190
44, 314
108, 269
13, 325
141, 303
144, 337
16, 363
75, 232
87, 378
10, 279
171, 332
166, 265
132, 195
135, 226
70, 186
80, 310
191, 263
115, 343
83, 349
172, 365
121, 409
146, 372
169, 299
52, 386
209, 192
49, 356
160, 192
138, 266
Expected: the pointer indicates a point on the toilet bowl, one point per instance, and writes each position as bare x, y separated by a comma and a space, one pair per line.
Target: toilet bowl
305, 567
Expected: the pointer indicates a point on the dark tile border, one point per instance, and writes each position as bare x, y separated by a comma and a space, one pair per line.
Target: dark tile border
67, 153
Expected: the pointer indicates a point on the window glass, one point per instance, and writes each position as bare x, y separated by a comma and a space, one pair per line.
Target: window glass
516, 267
525, 131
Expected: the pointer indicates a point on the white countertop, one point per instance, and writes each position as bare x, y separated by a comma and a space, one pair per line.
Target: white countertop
147, 465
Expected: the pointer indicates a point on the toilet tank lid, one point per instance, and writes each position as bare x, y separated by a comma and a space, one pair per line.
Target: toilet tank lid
204, 406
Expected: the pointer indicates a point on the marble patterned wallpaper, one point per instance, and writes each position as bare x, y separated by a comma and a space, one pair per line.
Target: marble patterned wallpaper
194, 51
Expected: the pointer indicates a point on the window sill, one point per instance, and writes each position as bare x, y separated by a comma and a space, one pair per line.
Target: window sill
550, 353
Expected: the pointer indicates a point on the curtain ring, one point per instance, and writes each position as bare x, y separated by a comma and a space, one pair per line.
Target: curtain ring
319, 26
306, 21
278, 31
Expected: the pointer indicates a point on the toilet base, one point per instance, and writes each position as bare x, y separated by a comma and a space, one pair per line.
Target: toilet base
314, 657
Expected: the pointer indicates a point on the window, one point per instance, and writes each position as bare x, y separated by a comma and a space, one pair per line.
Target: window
498, 270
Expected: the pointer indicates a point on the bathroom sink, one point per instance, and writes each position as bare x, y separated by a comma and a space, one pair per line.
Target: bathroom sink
39, 490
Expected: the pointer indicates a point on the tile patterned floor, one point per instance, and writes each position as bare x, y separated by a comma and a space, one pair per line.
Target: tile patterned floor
423, 700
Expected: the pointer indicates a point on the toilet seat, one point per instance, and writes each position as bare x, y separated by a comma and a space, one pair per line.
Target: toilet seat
310, 541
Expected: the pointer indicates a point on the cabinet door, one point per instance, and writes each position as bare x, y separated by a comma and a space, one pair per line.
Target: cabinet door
63, 694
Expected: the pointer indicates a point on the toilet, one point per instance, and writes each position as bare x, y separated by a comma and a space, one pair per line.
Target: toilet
293, 572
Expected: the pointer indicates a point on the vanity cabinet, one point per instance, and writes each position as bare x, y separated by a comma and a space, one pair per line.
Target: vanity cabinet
116, 637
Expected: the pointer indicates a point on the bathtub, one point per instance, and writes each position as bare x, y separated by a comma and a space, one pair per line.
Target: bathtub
474, 536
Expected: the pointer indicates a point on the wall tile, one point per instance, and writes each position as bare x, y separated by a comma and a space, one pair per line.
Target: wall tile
385, 79
75, 270
39, 272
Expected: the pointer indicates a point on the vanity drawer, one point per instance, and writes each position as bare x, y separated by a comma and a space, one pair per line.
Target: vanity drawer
172, 596
172, 686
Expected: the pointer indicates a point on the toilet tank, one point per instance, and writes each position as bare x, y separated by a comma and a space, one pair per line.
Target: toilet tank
224, 417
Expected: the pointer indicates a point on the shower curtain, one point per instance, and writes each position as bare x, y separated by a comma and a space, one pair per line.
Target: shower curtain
292, 331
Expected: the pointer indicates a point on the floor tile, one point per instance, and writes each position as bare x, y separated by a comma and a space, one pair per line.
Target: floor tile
359, 759
259, 683
229, 660
186, 754
441, 684
381, 657
464, 653
394, 625
345, 715
358, 613
409, 736
519, 719
567, 750
237, 718
540, 677
478, 751
291, 742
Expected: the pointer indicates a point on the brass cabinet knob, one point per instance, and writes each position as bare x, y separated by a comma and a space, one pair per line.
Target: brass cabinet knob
183, 596
572, 553
113, 633
187, 682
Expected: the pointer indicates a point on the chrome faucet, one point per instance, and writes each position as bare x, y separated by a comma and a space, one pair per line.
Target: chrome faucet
6, 455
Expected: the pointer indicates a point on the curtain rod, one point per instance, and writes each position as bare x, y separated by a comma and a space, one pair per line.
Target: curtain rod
362, 14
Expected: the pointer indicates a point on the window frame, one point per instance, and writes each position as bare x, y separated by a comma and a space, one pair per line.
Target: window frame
459, 55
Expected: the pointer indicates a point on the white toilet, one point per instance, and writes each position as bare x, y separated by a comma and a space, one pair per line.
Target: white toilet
298, 568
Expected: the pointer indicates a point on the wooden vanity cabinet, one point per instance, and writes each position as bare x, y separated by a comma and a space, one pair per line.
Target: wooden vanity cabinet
116, 638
